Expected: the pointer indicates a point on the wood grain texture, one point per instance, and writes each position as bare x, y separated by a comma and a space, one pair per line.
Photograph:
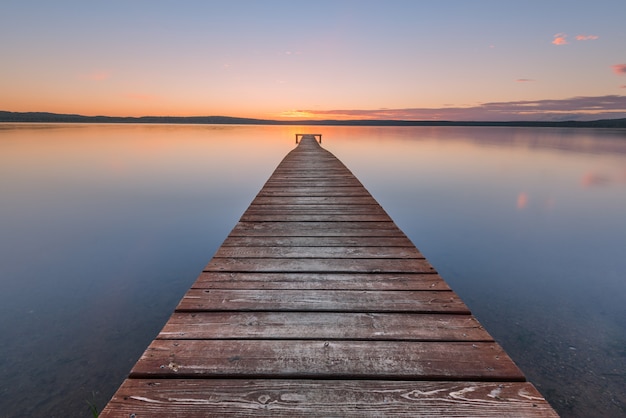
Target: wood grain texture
315, 325
296, 241
314, 217
352, 252
321, 265
317, 304
322, 301
320, 281
314, 191
329, 229
321, 359
371, 208
314, 200
297, 398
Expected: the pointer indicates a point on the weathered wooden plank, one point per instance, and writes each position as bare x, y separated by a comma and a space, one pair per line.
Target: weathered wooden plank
322, 300
318, 209
383, 225
312, 175
295, 217
317, 183
269, 226
324, 326
321, 265
310, 163
313, 165
314, 200
317, 229
317, 281
302, 359
318, 252
313, 178
323, 241
343, 180
346, 398
371, 209
315, 188
313, 191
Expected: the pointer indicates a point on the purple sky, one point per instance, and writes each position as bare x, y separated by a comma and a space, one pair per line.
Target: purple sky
454, 60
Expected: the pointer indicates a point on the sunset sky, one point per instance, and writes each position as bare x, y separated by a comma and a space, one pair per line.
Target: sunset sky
418, 60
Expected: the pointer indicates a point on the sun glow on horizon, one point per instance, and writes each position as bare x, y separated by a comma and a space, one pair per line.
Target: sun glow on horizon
328, 60
299, 114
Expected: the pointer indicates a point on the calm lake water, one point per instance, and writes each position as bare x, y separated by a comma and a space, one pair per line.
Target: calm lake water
105, 227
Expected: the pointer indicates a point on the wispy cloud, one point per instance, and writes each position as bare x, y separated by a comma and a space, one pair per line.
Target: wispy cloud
560, 39
524, 80
586, 37
576, 108
619, 69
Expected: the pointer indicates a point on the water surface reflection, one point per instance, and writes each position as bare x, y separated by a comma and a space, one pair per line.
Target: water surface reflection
105, 228
527, 226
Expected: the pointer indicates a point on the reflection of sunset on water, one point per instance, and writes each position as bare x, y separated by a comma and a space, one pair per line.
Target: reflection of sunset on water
522, 201
592, 179
597, 178
124, 217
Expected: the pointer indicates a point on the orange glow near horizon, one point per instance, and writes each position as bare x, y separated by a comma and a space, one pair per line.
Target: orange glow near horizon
296, 114
304, 61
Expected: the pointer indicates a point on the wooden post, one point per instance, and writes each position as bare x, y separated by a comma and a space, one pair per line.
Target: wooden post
313, 135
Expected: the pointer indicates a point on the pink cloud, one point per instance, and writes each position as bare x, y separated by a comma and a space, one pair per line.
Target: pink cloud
560, 39
623, 86
575, 108
586, 37
524, 80
619, 69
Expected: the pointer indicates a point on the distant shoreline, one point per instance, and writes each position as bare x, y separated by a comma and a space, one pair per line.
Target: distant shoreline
44, 117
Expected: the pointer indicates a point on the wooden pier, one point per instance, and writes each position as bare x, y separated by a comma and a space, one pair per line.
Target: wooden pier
317, 304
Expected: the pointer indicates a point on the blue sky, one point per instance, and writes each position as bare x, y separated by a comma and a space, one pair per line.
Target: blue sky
471, 60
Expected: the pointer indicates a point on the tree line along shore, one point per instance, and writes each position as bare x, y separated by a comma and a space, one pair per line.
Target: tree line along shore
45, 117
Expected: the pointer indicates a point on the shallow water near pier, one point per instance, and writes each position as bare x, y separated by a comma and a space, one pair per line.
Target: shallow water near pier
105, 227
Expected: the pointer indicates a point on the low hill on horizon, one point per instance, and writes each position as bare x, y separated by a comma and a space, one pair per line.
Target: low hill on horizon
46, 117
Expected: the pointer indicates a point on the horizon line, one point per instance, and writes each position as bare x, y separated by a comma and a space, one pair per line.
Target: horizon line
52, 117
